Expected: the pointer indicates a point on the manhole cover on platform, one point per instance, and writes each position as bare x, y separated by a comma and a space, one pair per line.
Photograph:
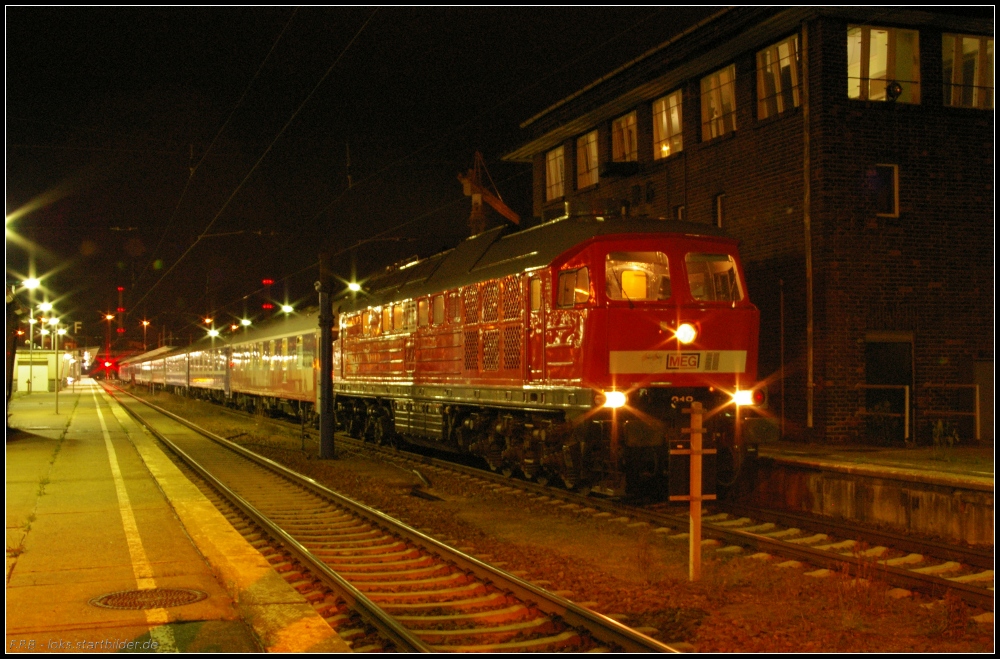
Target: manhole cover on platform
154, 598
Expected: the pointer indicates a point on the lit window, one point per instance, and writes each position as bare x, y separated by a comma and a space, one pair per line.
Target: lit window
667, 126
778, 78
624, 147
883, 64
637, 276
967, 71
536, 294
555, 175
718, 103
386, 319
574, 287
712, 277
397, 316
423, 312
720, 208
586, 160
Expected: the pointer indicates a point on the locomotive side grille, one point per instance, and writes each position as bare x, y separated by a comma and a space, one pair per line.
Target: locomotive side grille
472, 350
470, 296
511, 298
491, 350
512, 348
491, 301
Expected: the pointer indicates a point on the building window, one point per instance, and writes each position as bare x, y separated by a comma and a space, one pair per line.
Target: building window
885, 190
667, 126
720, 207
586, 160
718, 103
679, 212
778, 78
624, 147
555, 174
883, 64
967, 71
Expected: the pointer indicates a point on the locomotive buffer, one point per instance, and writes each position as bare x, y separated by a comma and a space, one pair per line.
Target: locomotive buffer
694, 494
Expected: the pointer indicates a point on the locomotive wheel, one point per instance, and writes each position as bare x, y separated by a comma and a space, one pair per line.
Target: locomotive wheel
382, 431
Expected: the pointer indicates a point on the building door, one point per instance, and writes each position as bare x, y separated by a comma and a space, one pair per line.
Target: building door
889, 388
38, 374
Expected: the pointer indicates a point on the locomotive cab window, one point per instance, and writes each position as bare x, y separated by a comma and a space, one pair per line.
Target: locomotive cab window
713, 277
637, 276
574, 287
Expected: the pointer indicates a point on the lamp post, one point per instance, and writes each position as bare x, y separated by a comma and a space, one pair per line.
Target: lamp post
145, 326
31, 284
107, 348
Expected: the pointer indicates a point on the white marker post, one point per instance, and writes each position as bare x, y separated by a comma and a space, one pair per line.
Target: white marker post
695, 495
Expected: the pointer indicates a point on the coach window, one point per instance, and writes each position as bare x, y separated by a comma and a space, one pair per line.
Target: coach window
967, 71
667, 138
883, 64
574, 287
718, 103
624, 142
438, 309
713, 278
637, 276
397, 317
778, 78
555, 174
423, 312
386, 319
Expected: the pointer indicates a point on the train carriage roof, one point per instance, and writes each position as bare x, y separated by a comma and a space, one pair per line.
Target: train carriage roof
500, 252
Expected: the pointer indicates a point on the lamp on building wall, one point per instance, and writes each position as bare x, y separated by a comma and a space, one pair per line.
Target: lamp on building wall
893, 90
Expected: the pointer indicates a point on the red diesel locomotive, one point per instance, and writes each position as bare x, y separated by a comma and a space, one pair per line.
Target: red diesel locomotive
566, 351
563, 352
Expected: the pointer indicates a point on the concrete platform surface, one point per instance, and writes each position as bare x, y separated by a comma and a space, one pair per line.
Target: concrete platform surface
960, 466
94, 507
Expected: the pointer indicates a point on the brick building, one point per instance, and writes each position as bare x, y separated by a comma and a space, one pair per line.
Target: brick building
851, 152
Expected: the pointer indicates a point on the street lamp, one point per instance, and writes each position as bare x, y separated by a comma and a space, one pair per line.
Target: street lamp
145, 326
109, 317
31, 284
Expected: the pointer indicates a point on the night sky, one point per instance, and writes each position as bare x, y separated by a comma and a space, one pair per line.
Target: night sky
132, 132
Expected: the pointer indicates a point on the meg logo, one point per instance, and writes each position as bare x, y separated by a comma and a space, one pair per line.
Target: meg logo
683, 361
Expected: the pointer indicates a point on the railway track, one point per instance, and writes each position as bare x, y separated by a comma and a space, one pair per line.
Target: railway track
420, 594
825, 544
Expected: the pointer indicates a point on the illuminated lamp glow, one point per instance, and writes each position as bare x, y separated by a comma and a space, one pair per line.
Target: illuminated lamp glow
743, 397
45, 306
354, 287
145, 323
61, 331
287, 308
614, 399
208, 321
234, 327
109, 317
107, 364
686, 333
213, 333
53, 321
246, 322
32, 283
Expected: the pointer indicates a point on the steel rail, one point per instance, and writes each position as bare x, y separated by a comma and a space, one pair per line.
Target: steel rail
602, 628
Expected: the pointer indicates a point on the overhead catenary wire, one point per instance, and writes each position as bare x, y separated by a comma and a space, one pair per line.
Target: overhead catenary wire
270, 146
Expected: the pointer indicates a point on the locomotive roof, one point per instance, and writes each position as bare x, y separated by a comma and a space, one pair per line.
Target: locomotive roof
500, 252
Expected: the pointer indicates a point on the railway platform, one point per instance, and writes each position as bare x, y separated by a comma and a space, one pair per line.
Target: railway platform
944, 492
111, 548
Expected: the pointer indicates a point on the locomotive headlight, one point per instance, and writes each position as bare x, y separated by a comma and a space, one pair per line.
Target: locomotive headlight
743, 397
612, 399
686, 333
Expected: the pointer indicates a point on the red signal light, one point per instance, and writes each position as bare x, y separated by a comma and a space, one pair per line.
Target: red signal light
267, 305
121, 309
120, 330
267, 282
121, 288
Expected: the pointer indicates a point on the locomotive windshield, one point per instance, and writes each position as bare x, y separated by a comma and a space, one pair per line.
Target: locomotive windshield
713, 278
637, 276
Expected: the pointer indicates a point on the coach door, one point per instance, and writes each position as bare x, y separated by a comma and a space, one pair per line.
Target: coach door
535, 344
